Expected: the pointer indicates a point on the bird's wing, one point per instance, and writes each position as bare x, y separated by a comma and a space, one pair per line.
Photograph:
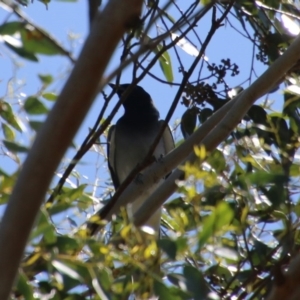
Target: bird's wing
111, 155
168, 140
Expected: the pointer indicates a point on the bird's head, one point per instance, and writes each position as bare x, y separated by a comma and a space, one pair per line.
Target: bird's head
137, 99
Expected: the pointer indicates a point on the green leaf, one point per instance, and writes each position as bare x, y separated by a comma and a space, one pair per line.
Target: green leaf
11, 28
166, 293
7, 114
36, 41
221, 216
72, 194
9, 134
46, 79
50, 96
262, 178
217, 161
165, 64
195, 283
46, 228
65, 269
169, 247
34, 106
58, 208
15, 147
21, 51
24, 287
35, 125
66, 245
188, 122
276, 194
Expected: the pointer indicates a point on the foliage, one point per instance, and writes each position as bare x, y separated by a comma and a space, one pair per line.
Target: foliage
233, 221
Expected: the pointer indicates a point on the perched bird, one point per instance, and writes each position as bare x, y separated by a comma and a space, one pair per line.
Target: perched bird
130, 140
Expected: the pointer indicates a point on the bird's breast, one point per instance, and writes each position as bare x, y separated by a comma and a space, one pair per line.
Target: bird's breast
133, 146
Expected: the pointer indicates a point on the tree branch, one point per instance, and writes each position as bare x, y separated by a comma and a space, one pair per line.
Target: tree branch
57, 133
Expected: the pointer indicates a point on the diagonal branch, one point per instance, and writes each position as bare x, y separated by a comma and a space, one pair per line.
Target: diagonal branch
230, 115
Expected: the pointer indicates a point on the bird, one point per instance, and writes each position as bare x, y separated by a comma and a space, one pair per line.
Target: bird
130, 140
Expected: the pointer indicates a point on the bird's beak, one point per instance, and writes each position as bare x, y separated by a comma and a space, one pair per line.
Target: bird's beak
119, 89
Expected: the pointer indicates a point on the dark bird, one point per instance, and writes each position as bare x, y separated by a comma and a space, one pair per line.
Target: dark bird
130, 140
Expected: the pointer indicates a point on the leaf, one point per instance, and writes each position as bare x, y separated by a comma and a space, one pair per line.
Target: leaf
257, 114
276, 195
188, 122
221, 216
261, 178
15, 147
50, 96
217, 161
169, 247
36, 41
195, 282
24, 287
185, 45
166, 293
46, 79
66, 245
66, 270
20, 50
44, 227
11, 28
165, 63
9, 134
34, 106
7, 114
291, 26
35, 125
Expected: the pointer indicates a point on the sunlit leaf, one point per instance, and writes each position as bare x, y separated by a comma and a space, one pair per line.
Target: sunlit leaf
219, 218
8, 115
10, 28
292, 26
50, 96
46, 79
66, 270
165, 64
36, 41
34, 106
9, 134
185, 45
16, 46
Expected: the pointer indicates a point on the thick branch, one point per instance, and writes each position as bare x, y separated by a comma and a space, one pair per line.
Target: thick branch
57, 133
234, 110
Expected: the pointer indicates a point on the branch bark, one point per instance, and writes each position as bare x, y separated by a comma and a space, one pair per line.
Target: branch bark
57, 133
